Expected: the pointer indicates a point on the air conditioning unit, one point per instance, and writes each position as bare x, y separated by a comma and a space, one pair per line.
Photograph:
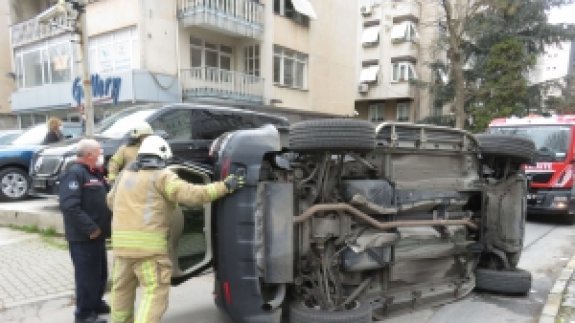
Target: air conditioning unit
365, 10
363, 88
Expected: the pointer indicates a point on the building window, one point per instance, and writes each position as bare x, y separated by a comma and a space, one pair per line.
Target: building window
376, 112
28, 120
297, 10
50, 63
290, 68
403, 112
369, 73
403, 72
252, 60
210, 55
404, 32
370, 36
114, 52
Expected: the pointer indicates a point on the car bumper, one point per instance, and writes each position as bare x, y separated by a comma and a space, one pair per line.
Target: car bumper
44, 186
551, 203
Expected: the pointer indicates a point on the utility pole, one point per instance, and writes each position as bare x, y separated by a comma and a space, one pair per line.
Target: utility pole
81, 26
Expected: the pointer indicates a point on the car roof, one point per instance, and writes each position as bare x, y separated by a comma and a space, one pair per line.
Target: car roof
197, 106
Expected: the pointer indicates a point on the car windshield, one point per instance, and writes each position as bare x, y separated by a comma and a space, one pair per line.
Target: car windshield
551, 142
117, 125
32, 136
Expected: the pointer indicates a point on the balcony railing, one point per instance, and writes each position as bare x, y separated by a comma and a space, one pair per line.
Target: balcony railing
211, 82
31, 30
234, 17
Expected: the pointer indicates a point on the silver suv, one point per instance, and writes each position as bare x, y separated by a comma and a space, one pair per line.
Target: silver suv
342, 221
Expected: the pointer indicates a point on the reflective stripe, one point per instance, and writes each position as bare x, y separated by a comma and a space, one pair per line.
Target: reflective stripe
111, 176
117, 159
117, 315
212, 191
151, 284
171, 187
149, 241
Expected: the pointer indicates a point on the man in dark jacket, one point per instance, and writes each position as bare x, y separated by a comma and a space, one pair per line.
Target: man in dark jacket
87, 222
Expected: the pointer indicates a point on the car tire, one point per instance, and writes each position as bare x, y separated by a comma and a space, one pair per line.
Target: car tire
520, 149
332, 135
300, 313
14, 184
507, 282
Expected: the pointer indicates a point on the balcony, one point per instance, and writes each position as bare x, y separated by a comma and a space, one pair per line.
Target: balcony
237, 18
31, 30
219, 84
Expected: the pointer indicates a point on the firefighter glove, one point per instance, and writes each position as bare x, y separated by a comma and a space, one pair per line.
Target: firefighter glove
234, 182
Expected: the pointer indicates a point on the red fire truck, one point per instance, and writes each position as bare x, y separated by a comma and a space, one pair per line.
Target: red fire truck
551, 175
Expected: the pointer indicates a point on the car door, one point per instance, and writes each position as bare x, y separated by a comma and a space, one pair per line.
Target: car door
190, 239
177, 125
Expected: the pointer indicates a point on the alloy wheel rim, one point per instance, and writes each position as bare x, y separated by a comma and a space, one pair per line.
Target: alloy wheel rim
14, 185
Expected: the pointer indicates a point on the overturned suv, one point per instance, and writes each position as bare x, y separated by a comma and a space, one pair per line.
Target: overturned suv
344, 222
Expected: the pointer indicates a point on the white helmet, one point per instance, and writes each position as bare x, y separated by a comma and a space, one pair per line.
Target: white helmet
157, 146
141, 128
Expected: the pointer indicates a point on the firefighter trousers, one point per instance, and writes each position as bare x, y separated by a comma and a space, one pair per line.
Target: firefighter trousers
153, 275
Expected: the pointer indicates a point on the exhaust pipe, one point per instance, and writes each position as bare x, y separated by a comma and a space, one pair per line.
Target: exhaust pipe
277, 300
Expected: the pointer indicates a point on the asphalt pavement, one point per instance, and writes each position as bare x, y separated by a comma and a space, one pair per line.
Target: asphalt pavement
548, 247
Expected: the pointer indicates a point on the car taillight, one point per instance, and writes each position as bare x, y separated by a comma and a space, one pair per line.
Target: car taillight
225, 167
227, 292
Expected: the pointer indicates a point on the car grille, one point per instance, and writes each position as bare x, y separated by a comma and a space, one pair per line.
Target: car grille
541, 177
47, 165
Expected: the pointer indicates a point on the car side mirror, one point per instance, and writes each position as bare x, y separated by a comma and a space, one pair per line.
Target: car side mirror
162, 133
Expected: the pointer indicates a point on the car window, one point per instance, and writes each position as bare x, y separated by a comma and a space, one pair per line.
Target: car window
118, 126
32, 136
176, 123
211, 124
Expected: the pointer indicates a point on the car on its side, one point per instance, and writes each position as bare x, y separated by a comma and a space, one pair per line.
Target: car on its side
188, 128
15, 159
7, 136
345, 222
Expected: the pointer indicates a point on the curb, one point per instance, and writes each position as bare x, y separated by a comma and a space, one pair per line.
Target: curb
43, 220
553, 305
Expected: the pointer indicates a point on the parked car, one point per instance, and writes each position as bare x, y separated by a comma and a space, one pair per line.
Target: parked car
15, 159
190, 129
7, 136
342, 222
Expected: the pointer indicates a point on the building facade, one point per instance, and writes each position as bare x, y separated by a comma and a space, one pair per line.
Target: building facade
398, 41
294, 54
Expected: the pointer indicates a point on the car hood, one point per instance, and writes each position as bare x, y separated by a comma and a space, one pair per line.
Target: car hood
9, 150
68, 147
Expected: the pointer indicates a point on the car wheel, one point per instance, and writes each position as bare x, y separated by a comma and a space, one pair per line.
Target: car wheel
332, 135
15, 184
508, 282
520, 149
359, 312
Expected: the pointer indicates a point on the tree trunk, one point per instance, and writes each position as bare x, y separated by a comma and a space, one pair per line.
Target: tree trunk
459, 102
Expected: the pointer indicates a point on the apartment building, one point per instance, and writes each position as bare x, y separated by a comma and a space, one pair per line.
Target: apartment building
398, 41
295, 54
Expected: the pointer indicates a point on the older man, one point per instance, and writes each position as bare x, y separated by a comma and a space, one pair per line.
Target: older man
87, 222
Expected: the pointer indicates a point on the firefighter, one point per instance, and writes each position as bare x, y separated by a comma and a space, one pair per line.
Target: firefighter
126, 154
142, 199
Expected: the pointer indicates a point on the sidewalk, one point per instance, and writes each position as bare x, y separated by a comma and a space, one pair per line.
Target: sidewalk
560, 306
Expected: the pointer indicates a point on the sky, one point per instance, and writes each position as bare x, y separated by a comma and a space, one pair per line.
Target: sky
564, 14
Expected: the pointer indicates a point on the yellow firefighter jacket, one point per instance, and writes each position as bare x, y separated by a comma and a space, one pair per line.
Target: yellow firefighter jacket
123, 157
142, 203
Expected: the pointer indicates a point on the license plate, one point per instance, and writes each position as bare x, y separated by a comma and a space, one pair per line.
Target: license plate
39, 183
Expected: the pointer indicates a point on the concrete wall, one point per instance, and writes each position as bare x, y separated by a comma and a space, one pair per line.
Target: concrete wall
158, 24
6, 83
108, 15
328, 41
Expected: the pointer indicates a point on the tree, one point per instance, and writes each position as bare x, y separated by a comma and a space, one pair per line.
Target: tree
473, 27
504, 90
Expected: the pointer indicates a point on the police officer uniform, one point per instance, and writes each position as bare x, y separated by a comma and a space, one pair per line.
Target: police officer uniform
83, 204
